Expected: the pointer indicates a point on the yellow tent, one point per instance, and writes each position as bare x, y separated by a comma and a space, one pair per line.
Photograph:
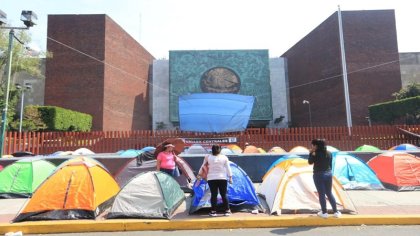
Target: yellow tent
289, 188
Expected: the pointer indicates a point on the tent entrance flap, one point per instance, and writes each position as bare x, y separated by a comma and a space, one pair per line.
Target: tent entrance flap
214, 112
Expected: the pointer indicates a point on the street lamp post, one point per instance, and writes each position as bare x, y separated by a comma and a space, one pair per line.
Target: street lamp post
28, 18
309, 109
27, 87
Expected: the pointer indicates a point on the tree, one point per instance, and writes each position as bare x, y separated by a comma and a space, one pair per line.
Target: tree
411, 90
21, 61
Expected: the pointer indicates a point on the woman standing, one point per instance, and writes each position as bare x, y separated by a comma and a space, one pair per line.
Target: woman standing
166, 160
322, 160
218, 174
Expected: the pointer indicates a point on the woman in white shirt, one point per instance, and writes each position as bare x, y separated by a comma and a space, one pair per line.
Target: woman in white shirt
218, 174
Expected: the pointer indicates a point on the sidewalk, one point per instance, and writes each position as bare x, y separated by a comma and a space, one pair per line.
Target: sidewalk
374, 208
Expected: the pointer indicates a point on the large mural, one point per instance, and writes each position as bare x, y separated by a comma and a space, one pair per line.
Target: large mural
244, 72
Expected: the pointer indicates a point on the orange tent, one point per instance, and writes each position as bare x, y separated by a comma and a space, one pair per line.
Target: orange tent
251, 149
397, 170
235, 148
78, 190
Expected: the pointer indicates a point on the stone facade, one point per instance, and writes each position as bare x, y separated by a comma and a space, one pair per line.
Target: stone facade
97, 68
315, 71
410, 68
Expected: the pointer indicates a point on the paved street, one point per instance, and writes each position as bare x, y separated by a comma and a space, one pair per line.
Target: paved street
386, 230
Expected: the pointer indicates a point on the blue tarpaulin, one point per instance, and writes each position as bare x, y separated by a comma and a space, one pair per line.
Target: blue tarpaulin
214, 112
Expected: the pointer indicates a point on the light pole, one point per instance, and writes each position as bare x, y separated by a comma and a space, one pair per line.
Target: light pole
309, 109
28, 18
27, 87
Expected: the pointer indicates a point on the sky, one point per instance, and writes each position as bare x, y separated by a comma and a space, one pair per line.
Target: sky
164, 25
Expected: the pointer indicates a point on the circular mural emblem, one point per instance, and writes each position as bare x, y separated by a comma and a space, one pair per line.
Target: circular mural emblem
220, 80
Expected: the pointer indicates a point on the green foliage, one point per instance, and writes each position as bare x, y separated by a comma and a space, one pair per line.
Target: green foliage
391, 112
60, 119
21, 61
411, 90
32, 120
160, 125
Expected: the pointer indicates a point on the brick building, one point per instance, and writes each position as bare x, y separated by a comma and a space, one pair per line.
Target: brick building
98, 68
315, 71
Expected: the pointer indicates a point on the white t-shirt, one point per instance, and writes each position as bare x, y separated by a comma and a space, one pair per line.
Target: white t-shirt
219, 167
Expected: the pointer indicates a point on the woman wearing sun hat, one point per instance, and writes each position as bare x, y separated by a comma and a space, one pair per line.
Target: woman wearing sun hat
166, 160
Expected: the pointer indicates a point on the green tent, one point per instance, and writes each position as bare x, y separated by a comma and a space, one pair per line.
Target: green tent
367, 148
148, 195
20, 179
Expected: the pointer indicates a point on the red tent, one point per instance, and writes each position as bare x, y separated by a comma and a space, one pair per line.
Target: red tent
397, 170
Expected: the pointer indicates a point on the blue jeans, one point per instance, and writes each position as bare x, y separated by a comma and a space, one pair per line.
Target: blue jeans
323, 184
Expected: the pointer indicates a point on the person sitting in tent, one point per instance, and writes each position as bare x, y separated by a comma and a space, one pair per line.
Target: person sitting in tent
322, 160
218, 171
166, 161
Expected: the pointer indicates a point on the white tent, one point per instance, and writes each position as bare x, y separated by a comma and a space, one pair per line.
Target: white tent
289, 188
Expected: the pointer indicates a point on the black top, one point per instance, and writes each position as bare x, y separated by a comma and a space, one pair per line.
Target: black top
322, 161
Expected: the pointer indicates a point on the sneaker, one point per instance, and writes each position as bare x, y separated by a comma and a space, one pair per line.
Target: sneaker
337, 214
212, 213
322, 215
228, 213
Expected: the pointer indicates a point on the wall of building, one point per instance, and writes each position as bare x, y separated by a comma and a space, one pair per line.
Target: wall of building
410, 68
315, 70
279, 93
126, 105
97, 68
160, 93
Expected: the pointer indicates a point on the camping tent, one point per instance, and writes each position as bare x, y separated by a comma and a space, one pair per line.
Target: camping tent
354, 173
149, 195
235, 148
22, 177
241, 194
405, 147
227, 151
132, 169
130, 153
300, 150
332, 149
78, 190
277, 150
251, 149
83, 151
397, 170
367, 148
196, 149
282, 158
289, 188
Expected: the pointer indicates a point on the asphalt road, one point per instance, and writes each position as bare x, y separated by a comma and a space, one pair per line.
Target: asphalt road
385, 230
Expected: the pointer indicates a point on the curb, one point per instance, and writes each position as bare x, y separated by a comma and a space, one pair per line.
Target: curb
78, 226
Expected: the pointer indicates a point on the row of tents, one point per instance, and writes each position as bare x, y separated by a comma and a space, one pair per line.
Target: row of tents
82, 188
232, 149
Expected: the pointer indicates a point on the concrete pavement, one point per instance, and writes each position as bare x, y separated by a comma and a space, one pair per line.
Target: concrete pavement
374, 208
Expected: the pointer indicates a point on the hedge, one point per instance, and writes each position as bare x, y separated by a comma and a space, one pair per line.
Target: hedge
389, 112
60, 119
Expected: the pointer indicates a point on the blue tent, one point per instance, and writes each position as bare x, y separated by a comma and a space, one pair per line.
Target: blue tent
242, 195
130, 153
148, 149
214, 112
354, 173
